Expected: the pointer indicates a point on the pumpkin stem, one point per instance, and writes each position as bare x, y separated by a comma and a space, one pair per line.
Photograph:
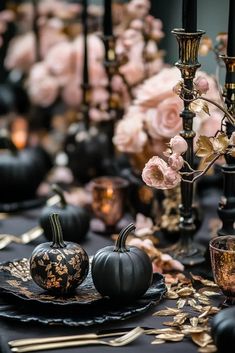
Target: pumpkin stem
58, 191
57, 233
121, 240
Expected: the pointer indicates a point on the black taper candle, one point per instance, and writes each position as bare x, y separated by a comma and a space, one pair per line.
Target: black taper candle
85, 50
107, 18
189, 16
231, 29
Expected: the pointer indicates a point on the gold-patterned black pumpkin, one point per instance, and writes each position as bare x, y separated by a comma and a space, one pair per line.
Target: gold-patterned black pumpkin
58, 266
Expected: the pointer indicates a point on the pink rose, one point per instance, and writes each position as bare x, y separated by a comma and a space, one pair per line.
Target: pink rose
129, 135
167, 121
72, 93
201, 84
178, 144
175, 161
44, 92
60, 61
157, 88
158, 174
138, 8
21, 52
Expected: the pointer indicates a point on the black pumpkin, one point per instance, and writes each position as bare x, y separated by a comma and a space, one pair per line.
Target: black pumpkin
58, 266
122, 272
21, 172
223, 330
88, 152
74, 220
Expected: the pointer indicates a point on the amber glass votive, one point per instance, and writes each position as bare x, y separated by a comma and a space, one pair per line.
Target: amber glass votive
222, 251
108, 201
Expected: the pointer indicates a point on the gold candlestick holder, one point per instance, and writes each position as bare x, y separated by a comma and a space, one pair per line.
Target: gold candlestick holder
226, 208
186, 250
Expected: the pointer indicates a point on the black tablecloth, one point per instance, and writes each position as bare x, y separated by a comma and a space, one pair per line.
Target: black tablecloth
9, 330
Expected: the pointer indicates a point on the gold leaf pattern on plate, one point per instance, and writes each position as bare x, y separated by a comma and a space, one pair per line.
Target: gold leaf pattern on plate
158, 341
167, 312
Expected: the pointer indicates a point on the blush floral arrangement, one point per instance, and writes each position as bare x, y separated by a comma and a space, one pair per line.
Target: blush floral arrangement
167, 174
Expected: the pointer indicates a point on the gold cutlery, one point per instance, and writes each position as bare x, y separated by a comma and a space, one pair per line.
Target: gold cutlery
30, 235
120, 341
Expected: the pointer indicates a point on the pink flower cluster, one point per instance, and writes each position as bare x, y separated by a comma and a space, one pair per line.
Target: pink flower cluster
162, 175
159, 108
61, 73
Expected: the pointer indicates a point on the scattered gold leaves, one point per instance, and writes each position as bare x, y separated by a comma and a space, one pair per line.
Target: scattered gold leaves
160, 330
205, 282
187, 329
193, 321
175, 337
181, 303
171, 323
167, 312
170, 294
181, 318
211, 348
158, 341
185, 292
202, 339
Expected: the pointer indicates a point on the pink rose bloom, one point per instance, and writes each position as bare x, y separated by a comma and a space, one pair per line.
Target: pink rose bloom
211, 124
129, 135
95, 48
137, 24
158, 174
138, 8
21, 52
99, 95
201, 84
171, 264
133, 71
175, 161
157, 88
166, 120
60, 61
98, 115
178, 144
97, 74
44, 92
72, 93
154, 28
50, 35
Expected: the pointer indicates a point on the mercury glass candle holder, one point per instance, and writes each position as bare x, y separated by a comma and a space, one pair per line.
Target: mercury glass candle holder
222, 251
108, 200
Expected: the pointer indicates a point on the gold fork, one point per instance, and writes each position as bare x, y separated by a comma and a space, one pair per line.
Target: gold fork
117, 342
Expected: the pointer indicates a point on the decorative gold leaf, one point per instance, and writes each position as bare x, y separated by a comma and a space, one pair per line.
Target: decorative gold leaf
175, 337
205, 282
158, 341
170, 294
220, 142
185, 292
205, 146
202, 339
167, 312
209, 293
181, 303
187, 329
205, 108
160, 330
211, 348
194, 321
181, 318
171, 323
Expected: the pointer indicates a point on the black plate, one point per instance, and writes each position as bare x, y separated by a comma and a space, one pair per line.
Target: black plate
15, 279
83, 315
22, 205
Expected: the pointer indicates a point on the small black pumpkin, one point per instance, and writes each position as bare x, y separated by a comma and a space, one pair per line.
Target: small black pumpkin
122, 272
88, 152
58, 266
74, 220
22, 171
223, 330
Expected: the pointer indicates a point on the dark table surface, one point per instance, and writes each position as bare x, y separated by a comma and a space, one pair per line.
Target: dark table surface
10, 329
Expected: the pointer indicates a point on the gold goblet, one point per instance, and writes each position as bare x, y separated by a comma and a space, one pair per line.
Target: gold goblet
222, 251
